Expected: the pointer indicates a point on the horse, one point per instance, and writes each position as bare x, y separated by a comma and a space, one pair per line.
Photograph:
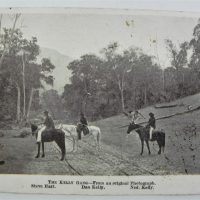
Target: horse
73, 131
143, 133
70, 132
56, 135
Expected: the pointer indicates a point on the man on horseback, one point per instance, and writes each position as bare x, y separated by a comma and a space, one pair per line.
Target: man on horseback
48, 125
151, 125
83, 121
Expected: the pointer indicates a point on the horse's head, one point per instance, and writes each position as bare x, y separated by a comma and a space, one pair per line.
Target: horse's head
133, 127
34, 128
129, 129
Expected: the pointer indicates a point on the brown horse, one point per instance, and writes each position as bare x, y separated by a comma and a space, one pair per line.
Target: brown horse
143, 133
56, 135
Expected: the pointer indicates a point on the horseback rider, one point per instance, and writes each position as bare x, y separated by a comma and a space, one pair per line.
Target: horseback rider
83, 121
48, 125
151, 125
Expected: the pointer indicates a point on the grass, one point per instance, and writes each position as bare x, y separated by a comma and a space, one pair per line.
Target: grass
181, 152
12, 152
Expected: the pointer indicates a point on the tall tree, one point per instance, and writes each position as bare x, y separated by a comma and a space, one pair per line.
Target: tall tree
195, 45
178, 62
85, 78
24, 74
37, 76
6, 41
117, 67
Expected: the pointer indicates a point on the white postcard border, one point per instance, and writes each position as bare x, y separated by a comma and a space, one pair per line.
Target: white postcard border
92, 185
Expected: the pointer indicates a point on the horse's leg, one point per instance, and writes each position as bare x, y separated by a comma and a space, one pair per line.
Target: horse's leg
38, 154
63, 149
142, 143
74, 142
98, 140
159, 152
95, 136
147, 143
159, 144
163, 142
43, 150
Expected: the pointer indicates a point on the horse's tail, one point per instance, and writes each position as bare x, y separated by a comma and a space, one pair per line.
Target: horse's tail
63, 144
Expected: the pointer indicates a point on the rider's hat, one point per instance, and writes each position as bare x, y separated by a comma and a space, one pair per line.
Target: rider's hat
151, 114
46, 112
81, 114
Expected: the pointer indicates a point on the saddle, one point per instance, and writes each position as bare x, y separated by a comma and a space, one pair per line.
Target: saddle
148, 133
153, 135
48, 134
85, 130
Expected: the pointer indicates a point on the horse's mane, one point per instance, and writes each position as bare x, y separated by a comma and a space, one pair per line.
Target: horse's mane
140, 128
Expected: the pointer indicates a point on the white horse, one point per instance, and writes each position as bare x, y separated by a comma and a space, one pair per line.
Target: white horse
71, 131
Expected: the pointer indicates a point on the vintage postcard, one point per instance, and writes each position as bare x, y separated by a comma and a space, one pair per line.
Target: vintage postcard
99, 101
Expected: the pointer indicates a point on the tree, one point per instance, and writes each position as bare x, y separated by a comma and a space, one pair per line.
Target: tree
117, 67
178, 62
36, 77
85, 82
115, 82
22, 71
18, 71
52, 101
195, 45
6, 41
11, 64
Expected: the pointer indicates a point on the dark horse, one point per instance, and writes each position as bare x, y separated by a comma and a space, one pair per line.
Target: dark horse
143, 133
56, 135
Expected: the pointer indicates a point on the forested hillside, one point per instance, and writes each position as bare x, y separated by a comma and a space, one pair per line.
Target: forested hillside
106, 84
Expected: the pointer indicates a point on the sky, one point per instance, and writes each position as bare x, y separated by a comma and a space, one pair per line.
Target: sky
78, 34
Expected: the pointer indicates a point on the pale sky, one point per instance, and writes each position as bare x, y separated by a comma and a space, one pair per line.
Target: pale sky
75, 35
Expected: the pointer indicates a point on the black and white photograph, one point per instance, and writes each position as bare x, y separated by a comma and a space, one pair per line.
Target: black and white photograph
99, 93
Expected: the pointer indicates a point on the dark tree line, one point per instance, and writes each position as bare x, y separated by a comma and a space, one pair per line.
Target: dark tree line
105, 85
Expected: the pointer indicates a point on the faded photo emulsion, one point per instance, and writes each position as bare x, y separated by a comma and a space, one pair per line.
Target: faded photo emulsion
99, 101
